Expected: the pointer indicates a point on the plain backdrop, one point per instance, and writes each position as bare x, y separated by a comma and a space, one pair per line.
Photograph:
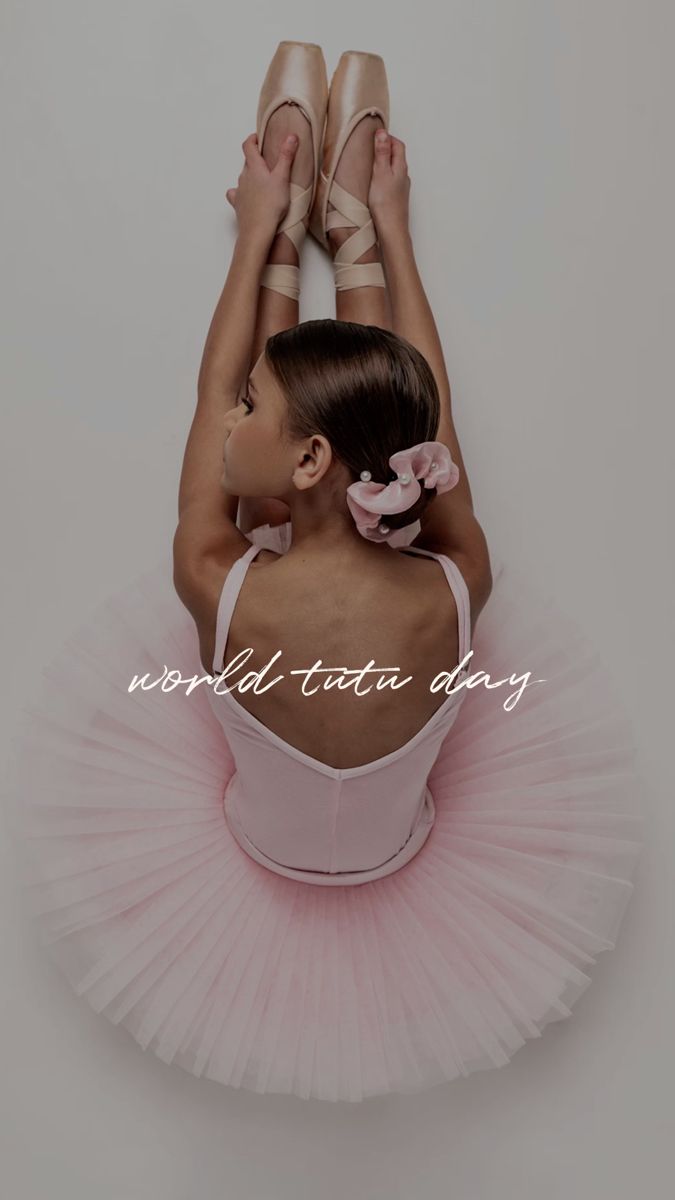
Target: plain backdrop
539, 140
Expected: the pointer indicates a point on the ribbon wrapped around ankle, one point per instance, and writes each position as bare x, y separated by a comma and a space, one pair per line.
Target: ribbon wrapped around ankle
427, 463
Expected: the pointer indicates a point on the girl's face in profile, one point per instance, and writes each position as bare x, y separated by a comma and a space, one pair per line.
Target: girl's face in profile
257, 460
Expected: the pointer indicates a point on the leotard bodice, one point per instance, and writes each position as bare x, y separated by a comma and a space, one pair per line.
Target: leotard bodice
329, 825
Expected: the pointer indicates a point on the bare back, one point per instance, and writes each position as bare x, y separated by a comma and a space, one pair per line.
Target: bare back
401, 614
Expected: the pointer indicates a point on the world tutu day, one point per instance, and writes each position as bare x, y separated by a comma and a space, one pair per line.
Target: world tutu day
317, 677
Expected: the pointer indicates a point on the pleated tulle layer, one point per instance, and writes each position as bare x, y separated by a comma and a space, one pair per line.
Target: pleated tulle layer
164, 924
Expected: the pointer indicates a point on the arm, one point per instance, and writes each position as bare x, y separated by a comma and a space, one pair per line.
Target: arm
413, 320
207, 531
207, 513
449, 523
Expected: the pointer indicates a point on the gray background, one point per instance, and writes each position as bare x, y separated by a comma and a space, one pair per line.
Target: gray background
542, 201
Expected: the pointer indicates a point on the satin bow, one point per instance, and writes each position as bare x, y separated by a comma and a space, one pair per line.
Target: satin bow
428, 462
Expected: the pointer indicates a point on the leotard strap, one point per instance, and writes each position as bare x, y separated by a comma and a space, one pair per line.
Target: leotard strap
228, 599
460, 591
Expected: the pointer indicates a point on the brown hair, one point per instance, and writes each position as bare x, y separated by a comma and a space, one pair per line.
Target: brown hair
365, 389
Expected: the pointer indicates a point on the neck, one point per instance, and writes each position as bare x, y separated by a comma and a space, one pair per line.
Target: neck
330, 534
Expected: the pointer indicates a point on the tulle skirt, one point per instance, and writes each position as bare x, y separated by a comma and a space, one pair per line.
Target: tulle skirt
163, 923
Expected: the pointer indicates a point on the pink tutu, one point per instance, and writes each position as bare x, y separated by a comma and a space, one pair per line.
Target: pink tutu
158, 917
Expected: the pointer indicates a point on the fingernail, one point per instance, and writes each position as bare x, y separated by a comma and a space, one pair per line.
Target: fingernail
382, 137
292, 139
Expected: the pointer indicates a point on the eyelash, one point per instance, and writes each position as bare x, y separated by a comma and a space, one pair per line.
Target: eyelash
245, 400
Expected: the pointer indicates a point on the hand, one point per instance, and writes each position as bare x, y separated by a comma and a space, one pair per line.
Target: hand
390, 184
262, 196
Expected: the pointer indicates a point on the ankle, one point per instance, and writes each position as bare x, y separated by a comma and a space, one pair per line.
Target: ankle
283, 250
337, 238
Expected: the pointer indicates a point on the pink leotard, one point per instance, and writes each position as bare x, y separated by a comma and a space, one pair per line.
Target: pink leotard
320, 824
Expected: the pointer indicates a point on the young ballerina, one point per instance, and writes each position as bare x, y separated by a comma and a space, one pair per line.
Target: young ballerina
362, 889
326, 401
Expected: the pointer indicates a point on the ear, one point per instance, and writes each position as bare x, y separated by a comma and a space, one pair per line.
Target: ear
315, 456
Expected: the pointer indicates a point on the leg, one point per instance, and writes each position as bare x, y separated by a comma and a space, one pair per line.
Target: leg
366, 305
276, 311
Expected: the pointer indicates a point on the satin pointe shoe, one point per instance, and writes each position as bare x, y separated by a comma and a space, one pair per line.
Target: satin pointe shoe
358, 89
296, 75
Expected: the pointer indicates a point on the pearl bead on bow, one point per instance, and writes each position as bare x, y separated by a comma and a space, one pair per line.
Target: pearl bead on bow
404, 477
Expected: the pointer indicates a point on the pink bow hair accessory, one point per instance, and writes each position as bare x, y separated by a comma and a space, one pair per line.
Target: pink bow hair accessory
427, 462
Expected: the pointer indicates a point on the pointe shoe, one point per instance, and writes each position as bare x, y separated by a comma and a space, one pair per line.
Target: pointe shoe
358, 89
296, 75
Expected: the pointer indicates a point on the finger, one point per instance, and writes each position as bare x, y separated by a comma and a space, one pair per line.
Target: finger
250, 147
382, 149
283, 165
398, 158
